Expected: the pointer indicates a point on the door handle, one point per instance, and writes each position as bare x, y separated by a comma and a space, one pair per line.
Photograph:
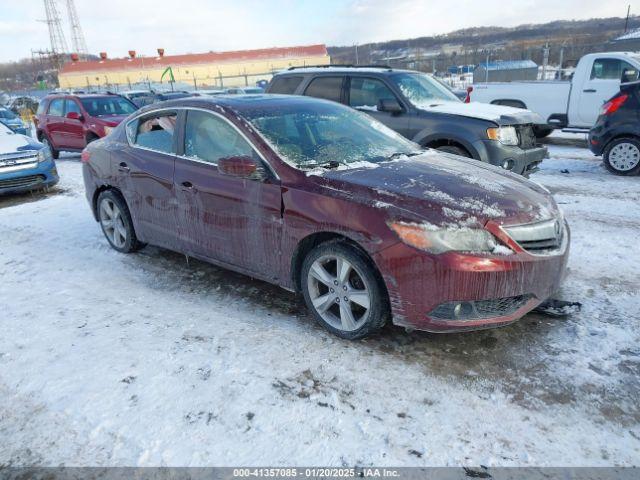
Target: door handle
188, 186
590, 90
123, 167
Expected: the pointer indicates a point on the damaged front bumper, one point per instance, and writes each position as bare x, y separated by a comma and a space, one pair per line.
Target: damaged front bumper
458, 291
523, 161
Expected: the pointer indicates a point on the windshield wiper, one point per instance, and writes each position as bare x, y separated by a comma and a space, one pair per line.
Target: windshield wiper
403, 154
331, 164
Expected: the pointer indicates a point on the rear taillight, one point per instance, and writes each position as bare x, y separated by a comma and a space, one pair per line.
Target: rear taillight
614, 104
85, 156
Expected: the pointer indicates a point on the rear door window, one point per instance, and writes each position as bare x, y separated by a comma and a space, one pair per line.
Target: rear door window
156, 132
286, 85
329, 88
56, 107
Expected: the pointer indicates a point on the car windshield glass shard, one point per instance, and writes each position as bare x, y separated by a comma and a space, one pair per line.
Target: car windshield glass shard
421, 90
313, 135
98, 107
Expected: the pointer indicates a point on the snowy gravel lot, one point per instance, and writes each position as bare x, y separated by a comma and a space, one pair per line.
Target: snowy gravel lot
111, 359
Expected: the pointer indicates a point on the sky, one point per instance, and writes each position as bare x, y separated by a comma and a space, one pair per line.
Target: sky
192, 26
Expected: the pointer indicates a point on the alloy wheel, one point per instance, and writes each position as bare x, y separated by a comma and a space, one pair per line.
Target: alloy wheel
624, 156
339, 293
113, 223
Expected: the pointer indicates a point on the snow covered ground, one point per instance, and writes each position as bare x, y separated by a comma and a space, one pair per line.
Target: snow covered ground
111, 359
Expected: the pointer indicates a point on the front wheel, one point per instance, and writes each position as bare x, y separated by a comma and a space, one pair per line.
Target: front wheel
622, 156
343, 291
454, 150
116, 223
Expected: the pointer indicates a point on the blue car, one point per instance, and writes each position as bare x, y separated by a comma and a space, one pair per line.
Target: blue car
24, 163
13, 121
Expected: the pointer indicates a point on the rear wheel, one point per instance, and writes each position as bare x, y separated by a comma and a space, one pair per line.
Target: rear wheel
55, 154
343, 291
116, 223
622, 156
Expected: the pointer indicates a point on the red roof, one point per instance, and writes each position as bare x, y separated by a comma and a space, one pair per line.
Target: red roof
194, 58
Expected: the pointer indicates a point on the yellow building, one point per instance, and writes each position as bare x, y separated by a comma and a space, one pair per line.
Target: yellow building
223, 69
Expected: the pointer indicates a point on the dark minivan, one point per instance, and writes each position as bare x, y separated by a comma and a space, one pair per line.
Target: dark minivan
424, 111
321, 199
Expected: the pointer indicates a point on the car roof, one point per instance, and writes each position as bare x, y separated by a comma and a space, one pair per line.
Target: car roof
82, 95
342, 69
238, 103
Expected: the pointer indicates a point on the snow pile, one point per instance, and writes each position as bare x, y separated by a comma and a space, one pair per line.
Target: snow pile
143, 359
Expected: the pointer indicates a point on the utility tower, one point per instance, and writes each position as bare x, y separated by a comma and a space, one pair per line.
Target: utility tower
77, 37
54, 22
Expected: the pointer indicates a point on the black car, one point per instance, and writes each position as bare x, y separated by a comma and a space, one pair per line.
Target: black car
423, 110
616, 134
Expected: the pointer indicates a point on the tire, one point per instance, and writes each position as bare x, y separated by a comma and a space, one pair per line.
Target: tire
622, 156
542, 132
55, 154
454, 150
115, 221
364, 309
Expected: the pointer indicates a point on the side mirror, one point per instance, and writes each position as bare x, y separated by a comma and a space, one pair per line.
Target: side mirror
629, 75
75, 116
389, 105
240, 166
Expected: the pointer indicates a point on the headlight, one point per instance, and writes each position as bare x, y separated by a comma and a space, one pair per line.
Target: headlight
505, 135
437, 240
108, 130
43, 155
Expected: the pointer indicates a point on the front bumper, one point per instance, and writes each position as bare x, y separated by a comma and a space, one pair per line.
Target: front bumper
523, 161
37, 176
421, 286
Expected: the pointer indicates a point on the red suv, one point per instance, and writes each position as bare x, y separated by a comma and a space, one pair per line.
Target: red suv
70, 122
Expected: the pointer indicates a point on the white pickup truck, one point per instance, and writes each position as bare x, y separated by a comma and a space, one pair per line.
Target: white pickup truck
572, 105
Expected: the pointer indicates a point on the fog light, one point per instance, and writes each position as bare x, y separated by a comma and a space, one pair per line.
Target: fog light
507, 164
463, 310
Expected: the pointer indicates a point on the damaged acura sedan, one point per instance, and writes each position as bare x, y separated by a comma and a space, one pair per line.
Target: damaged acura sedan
323, 200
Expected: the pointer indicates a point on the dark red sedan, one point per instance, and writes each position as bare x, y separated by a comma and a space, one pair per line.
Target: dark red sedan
321, 199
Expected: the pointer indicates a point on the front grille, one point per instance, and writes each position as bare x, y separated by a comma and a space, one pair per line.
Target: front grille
17, 161
479, 309
30, 180
526, 136
538, 238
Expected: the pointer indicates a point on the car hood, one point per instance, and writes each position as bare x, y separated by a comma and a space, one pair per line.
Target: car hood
444, 190
484, 111
13, 142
